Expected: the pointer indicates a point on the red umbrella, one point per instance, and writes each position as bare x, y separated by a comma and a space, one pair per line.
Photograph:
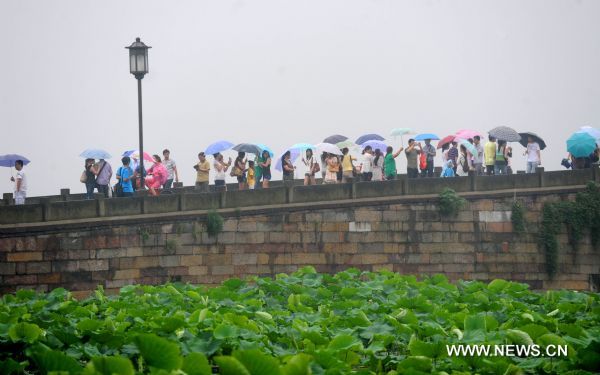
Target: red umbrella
445, 141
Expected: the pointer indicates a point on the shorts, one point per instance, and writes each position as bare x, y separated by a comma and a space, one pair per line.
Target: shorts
266, 176
241, 178
219, 182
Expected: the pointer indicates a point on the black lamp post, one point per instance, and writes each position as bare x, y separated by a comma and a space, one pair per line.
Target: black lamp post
138, 66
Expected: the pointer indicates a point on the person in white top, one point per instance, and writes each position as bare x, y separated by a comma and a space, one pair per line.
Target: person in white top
462, 165
533, 155
20, 183
171, 167
220, 170
366, 165
311, 167
378, 166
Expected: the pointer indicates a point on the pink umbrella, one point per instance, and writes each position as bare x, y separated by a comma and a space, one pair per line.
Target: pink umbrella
135, 154
466, 133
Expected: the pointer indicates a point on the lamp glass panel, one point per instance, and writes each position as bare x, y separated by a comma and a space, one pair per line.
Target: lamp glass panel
141, 63
132, 63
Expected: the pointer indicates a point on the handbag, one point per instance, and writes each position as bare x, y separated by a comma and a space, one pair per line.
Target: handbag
118, 188
83, 178
423, 161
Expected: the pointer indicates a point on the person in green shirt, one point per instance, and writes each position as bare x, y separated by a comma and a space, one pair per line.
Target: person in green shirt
389, 163
258, 171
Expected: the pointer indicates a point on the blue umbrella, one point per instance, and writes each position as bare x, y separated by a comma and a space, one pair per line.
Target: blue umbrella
581, 144
265, 148
8, 160
218, 146
336, 138
368, 137
302, 146
294, 153
95, 153
374, 145
424, 136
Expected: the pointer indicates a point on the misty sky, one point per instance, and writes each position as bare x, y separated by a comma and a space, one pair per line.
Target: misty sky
281, 72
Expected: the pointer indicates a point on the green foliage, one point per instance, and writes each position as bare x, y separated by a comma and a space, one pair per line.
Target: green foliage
171, 244
450, 203
579, 215
352, 322
518, 217
214, 223
144, 234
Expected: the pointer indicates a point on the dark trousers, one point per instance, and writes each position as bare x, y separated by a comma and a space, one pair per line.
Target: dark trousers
412, 172
127, 194
102, 189
428, 172
168, 184
89, 190
489, 170
367, 176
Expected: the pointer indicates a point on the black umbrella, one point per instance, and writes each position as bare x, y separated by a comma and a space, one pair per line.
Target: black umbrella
336, 138
369, 137
248, 147
525, 136
504, 133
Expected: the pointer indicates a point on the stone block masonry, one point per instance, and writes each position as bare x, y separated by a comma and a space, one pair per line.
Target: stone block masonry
402, 235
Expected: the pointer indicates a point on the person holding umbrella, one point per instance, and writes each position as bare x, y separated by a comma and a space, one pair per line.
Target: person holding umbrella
104, 173
501, 160
533, 154
20, 183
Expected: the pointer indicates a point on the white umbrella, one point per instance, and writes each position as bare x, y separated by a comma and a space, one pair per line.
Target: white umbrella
329, 148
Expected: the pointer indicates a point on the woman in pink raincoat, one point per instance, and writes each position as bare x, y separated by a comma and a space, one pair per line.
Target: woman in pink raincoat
157, 175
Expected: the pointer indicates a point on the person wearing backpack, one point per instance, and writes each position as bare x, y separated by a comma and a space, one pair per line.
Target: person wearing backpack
462, 168
124, 178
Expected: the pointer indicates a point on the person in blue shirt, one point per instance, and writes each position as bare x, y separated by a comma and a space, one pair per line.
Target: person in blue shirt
125, 176
448, 169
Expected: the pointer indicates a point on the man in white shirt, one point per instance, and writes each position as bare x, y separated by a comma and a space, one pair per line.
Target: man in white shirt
533, 155
20, 183
171, 169
366, 165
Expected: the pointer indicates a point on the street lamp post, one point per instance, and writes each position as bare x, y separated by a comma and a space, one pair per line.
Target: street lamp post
138, 66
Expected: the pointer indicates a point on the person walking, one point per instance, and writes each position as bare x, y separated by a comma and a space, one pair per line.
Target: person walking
478, 160
412, 158
462, 169
239, 170
20, 181
124, 177
104, 173
430, 153
287, 167
389, 163
90, 178
501, 158
220, 170
347, 165
311, 166
533, 153
366, 165
332, 169
171, 168
490, 155
266, 169
202, 173
377, 166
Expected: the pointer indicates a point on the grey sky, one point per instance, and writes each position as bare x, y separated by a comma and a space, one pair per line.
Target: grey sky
282, 72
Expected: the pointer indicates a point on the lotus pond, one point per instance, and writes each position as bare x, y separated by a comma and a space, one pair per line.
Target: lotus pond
305, 323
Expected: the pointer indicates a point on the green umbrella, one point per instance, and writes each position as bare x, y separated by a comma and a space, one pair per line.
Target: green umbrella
400, 132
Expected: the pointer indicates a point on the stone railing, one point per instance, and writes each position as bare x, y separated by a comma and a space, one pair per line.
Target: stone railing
74, 207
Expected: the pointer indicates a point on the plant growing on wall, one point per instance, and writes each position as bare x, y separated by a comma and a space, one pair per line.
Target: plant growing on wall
579, 215
144, 234
214, 223
518, 217
171, 244
450, 203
